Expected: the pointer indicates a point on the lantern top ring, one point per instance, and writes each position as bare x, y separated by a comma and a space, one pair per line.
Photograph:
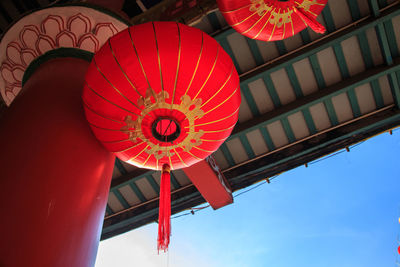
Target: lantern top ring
166, 129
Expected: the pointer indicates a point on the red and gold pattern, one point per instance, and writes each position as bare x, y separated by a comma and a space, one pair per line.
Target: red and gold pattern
272, 20
161, 70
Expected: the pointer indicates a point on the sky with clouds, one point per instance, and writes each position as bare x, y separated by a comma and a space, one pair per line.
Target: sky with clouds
341, 211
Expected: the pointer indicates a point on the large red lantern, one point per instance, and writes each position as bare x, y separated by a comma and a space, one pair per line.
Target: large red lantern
271, 20
162, 96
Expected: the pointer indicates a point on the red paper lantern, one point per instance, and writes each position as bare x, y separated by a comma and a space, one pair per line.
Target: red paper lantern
271, 20
164, 96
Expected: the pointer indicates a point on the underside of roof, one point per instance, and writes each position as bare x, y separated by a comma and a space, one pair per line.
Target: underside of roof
302, 98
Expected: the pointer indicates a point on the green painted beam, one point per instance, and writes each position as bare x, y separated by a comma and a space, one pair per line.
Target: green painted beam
331, 112
319, 77
228, 156
255, 51
327, 15
378, 123
120, 198
271, 90
109, 210
247, 146
351, 94
354, 9
377, 93
249, 99
391, 37
381, 32
280, 45
223, 34
384, 44
137, 192
382, 3
294, 81
119, 166
365, 50
344, 71
153, 184
174, 182
305, 36
394, 87
319, 45
146, 214
309, 121
267, 138
314, 98
288, 130
213, 19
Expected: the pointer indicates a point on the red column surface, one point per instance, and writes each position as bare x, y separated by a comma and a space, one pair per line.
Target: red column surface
54, 174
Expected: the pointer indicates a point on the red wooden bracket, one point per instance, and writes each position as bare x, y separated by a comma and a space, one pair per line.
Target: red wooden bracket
208, 179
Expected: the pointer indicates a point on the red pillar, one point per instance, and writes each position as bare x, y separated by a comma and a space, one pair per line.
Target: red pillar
54, 174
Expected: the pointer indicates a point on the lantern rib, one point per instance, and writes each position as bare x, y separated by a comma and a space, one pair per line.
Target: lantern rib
177, 66
122, 70
284, 29
145, 162
220, 104
273, 29
197, 64
265, 24
194, 155
158, 57
116, 141
305, 23
138, 153
234, 10
112, 103
170, 163
219, 90
211, 122
249, 29
180, 158
291, 22
98, 114
204, 150
112, 85
137, 56
209, 74
240, 22
128, 148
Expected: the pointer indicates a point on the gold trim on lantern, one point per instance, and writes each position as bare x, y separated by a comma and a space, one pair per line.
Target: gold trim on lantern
122, 70
159, 103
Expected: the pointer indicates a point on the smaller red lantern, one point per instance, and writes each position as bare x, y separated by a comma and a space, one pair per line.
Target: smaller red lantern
272, 20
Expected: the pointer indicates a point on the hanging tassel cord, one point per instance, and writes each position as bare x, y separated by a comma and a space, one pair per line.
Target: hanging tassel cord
164, 213
310, 20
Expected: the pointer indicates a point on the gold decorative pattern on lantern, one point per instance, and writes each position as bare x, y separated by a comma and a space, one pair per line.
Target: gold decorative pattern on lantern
190, 108
280, 18
260, 7
306, 4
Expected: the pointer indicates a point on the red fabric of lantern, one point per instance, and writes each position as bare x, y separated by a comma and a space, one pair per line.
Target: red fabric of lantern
271, 20
162, 93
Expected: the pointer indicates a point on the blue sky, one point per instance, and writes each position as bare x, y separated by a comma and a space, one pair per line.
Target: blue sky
341, 211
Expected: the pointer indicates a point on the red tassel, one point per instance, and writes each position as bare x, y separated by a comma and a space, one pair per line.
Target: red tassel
311, 21
164, 213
